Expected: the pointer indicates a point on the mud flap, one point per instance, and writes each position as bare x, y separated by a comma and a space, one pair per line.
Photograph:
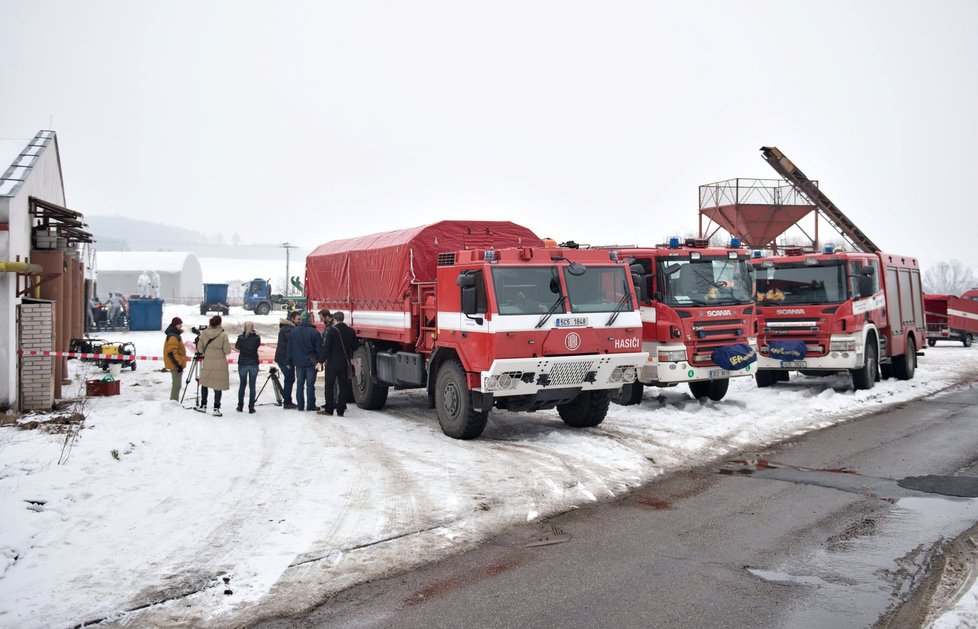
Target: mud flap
481, 401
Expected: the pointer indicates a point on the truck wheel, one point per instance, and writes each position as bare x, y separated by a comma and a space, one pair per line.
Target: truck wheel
587, 410
765, 379
369, 393
718, 389
226, 311
967, 340
453, 403
203, 309
931, 342
262, 309
904, 366
865, 377
631, 394
713, 389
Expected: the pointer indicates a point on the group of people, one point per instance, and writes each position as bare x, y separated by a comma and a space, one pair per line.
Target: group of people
149, 284
302, 351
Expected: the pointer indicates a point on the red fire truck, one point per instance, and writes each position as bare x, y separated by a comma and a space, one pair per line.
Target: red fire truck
697, 300
951, 318
834, 311
481, 314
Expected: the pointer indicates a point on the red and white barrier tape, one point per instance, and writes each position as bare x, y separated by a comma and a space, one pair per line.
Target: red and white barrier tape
120, 357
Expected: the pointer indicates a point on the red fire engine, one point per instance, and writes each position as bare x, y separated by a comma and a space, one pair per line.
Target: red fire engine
697, 300
481, 314
835, 311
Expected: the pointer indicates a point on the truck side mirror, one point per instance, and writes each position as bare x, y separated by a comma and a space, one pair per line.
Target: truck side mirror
641, 290
866, 285
470, 301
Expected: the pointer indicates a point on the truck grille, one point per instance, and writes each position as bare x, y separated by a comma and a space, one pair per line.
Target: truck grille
564, 374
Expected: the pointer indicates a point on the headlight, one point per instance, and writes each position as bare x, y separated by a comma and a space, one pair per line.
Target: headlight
492, 383
844, 345
628, 374
616, 374
505, 381
672, 356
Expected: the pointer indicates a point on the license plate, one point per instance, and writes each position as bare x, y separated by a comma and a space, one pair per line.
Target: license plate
719, 373
794, 364
571, 322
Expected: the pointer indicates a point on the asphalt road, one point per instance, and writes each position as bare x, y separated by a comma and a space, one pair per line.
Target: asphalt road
829, 530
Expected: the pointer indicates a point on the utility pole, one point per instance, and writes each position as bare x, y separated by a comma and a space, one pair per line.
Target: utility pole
288, 279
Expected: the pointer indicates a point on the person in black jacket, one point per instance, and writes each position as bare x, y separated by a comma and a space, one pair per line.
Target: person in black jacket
302, 354
247, 343
339, 341
285, 328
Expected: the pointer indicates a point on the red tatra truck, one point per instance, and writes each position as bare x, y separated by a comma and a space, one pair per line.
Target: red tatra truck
838, 311
697, 303
481, 314
951, 318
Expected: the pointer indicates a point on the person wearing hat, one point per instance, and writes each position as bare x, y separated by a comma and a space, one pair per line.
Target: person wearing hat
174, 355
302, 354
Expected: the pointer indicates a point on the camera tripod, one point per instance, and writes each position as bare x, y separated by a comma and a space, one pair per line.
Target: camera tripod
191, 370
276, 387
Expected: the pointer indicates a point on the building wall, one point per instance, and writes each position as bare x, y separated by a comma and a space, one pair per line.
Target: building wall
42, 180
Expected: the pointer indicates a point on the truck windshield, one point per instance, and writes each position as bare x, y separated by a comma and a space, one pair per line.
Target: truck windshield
708, 281
526, 289
599, 289
800, 283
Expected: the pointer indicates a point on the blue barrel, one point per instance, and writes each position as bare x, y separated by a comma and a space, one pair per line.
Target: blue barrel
215, 294
145, 314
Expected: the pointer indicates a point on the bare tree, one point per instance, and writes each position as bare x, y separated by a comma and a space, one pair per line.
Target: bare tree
948, 278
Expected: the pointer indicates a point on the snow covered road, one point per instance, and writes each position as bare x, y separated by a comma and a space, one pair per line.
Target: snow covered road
160, 515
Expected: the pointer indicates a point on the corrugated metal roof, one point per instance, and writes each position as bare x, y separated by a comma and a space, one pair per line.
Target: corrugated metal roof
18, 157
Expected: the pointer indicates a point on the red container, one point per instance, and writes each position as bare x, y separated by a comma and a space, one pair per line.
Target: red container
95, 388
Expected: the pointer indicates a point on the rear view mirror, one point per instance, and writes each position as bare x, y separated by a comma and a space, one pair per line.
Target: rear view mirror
465, 280
866, 285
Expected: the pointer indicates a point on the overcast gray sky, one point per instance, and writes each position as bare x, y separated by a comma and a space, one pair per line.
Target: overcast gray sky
593, 121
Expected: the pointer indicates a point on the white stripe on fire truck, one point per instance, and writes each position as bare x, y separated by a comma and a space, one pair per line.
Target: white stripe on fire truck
527, 323
962, 313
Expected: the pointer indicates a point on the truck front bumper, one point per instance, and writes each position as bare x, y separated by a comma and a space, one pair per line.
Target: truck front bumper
527, 376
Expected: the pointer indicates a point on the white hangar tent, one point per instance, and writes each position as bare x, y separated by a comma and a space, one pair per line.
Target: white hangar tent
181, 278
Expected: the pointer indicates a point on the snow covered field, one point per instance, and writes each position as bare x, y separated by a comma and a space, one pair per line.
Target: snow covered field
154, 514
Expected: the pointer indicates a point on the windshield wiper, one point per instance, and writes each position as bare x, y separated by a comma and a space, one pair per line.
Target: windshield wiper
626, 298
553, 309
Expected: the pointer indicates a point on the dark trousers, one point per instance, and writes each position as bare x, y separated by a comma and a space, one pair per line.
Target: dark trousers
334, 377
247, 375
305, 388
289, 374
217, 397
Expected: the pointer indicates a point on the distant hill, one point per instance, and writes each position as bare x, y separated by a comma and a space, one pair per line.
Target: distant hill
119, 233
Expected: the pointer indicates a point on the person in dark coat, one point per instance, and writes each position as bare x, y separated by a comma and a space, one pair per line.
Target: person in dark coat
247, 344
302, 355
285, 327
339, 341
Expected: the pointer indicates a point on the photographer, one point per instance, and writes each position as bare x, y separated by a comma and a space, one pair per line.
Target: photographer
247, 344
174, 355
285, 328
214, 345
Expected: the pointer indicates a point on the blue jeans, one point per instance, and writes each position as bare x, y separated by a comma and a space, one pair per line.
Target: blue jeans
305, 388
247, 374
289, 374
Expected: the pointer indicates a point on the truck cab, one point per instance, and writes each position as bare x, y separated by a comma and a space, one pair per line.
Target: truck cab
697, 307
821, 313
257, 296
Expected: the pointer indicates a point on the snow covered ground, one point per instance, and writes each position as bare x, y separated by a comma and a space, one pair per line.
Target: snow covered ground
154, 514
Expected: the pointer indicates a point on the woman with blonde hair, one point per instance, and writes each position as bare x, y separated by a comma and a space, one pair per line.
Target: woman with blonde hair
214, 345
247, 344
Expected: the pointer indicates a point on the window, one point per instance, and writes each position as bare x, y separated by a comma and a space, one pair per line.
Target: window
599, 289
526, 290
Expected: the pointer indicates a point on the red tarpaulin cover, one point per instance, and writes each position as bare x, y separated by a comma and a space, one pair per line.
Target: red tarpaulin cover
375, 272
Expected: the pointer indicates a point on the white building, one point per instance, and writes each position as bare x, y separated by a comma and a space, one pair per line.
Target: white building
44, 271
181, 278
